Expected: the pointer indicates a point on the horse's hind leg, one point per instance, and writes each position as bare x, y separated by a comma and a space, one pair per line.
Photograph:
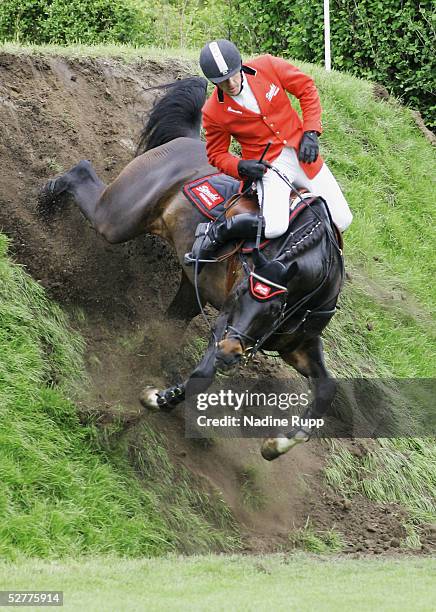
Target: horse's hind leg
308, 359
184, 306
82, 183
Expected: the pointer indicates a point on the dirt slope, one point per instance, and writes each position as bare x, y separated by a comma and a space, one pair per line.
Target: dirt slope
53, 112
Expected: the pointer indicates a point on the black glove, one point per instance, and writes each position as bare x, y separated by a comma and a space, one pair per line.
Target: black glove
251, 169
309, 147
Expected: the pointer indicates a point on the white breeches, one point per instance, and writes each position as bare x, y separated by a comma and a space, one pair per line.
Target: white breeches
277, 193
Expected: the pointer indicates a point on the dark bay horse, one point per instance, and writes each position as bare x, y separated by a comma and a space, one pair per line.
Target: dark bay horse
146, 198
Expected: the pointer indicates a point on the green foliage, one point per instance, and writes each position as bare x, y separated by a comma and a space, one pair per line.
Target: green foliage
389, 42
87, 21
184, 23
57, 496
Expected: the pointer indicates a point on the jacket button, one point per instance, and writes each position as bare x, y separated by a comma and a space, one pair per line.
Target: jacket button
277, 132
264, 118
285, 142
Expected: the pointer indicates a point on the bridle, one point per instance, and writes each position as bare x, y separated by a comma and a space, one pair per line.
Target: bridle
282, 291
285, 313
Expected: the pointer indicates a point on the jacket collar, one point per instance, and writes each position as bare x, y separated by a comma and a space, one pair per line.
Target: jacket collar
247, 70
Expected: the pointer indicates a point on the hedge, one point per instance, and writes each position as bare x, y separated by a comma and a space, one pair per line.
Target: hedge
388, 41
72, 21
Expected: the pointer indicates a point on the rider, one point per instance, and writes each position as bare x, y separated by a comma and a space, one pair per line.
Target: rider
250, 103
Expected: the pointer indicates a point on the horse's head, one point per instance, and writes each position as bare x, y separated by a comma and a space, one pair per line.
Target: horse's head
253, 307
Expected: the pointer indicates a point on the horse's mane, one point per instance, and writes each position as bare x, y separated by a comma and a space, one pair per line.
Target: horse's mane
176, 114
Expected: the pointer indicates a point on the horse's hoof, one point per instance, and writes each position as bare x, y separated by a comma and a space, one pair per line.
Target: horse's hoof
51, 192
149, 398
47, 193
274, 447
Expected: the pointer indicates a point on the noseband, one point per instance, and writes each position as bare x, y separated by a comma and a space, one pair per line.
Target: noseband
262, 290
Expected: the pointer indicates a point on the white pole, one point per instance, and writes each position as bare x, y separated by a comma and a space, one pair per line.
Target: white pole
327, 56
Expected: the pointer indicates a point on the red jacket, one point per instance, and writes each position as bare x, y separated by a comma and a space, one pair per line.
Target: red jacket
269, 78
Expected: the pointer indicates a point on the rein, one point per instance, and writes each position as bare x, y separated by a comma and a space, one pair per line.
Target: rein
285, 314
198, 261
283, 317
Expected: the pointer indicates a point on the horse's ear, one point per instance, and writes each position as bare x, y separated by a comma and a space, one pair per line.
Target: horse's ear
292, 271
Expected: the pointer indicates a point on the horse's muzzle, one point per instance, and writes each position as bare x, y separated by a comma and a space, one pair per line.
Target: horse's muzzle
229, 353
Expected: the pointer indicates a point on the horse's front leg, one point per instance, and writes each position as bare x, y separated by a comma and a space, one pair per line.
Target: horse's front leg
309, 361
198, 381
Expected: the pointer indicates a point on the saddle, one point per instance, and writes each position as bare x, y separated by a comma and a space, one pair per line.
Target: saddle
214, 194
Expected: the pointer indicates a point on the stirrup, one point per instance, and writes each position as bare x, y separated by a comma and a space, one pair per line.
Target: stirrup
189, 260
202, 229
200, 237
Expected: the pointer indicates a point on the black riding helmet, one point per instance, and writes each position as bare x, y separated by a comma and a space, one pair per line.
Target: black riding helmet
219, 60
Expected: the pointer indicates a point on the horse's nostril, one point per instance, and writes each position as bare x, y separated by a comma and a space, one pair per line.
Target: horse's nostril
225, 359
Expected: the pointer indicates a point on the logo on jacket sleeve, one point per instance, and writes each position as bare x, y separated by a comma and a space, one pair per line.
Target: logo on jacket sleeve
273, 91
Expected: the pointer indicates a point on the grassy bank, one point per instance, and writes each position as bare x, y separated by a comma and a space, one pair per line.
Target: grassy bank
123, 52
386, 326
63, 494
278, 582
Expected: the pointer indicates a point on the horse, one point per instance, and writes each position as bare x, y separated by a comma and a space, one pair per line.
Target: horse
147, 197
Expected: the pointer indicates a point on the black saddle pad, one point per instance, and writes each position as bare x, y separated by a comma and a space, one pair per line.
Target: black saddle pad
209, 194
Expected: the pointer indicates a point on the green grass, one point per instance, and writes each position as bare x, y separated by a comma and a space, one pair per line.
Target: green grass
63, 492
199, 519
401, 471
66, 492
399, 343
280, 582
251, 494
58, 495
127, 53
386, 169
312, 540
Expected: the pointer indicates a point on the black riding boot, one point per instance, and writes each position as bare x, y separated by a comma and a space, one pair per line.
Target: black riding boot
210, 236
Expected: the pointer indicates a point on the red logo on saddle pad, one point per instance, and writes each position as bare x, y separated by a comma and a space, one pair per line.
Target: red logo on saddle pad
208, 195
261, 289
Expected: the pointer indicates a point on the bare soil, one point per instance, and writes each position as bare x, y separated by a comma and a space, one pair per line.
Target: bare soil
55, 111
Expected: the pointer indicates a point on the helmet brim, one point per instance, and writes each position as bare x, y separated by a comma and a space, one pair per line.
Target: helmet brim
220, 79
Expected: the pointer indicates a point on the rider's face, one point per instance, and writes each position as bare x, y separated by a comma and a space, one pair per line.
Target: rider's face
232, 86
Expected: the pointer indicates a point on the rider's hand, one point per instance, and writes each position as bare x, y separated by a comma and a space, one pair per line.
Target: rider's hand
309, 147
252, 169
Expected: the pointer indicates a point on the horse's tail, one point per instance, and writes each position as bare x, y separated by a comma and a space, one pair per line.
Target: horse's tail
176, 114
